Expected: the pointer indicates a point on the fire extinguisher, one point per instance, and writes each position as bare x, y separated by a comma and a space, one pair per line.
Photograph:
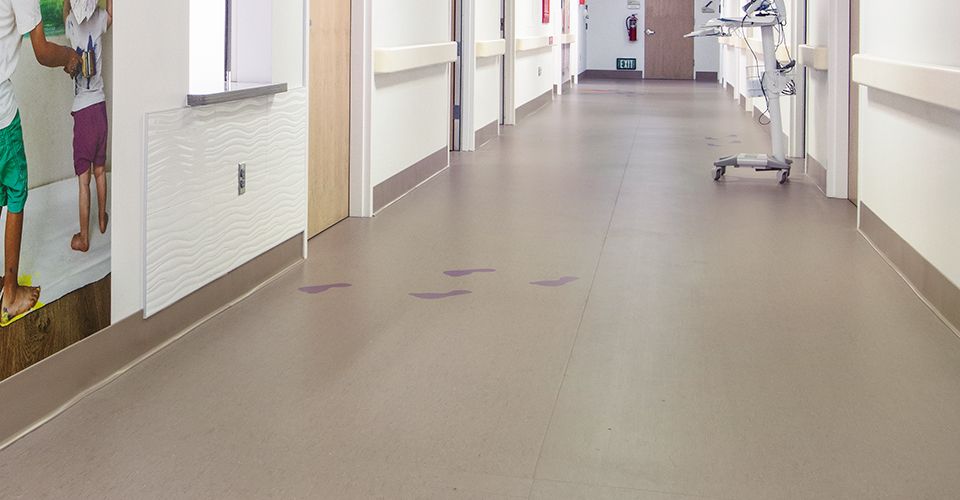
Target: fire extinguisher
632, 27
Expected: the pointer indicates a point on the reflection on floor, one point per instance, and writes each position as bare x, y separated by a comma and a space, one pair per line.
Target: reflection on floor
725, 340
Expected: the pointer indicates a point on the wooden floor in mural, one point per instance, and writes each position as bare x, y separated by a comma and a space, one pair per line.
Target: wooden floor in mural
55, 327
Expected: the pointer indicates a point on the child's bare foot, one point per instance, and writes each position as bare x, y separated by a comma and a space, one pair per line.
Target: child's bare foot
103, 222
21, 300
79, 243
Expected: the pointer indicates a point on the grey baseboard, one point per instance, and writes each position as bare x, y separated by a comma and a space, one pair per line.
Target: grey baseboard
817, 172
942, 295
707, 76
409, 178
730, 89
567, 85
610, 74
49, 387
487, 133
534, 105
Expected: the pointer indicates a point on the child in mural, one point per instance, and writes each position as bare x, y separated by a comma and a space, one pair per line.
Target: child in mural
85, 22
18, 18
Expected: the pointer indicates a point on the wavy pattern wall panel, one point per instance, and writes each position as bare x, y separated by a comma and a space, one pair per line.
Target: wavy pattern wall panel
197, 226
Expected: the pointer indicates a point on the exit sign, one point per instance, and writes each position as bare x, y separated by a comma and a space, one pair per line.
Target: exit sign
625, 64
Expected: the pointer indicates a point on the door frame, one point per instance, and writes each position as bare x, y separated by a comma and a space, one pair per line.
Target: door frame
361, 91
508, 92
565, 49
838, 116
837, 121
503, 60
797, 147
853, 169
463, 76
455, 134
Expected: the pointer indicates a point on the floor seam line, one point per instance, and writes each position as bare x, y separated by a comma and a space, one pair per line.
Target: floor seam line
586, 304
628, 488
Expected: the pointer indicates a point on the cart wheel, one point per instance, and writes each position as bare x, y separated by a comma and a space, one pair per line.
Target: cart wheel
784, 176
718, 173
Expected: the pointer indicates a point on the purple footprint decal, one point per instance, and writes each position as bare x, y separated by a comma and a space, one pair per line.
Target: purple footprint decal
555, 283
313, 290
457, 273
437, 296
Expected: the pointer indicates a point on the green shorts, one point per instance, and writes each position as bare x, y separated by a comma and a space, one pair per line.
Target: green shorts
13, 168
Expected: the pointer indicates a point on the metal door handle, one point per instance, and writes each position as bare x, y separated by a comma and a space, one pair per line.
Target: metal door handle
649, 32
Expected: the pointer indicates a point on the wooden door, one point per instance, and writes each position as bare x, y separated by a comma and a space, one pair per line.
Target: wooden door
329, 83
667, 54
853, 170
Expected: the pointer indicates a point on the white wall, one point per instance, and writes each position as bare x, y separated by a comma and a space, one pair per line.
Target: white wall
575, 48
582, 13
730, 65
150, 38
45, 97
410, 111
536, 70
908, 150
706, 51
608, 37
818, 88
488, 82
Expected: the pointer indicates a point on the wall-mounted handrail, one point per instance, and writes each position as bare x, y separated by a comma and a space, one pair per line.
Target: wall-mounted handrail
532, 43
924, 82
395, 59
491, 48
568, 38
815, 57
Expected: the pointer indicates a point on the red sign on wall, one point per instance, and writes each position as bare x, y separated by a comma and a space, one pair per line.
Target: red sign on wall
546, 11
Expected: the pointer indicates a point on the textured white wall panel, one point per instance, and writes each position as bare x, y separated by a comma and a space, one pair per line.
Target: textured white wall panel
197, 227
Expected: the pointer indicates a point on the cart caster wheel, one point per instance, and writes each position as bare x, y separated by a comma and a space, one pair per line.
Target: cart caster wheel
718, 173
783, 176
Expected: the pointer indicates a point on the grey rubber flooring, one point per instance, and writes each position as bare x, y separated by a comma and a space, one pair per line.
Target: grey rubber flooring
735, 340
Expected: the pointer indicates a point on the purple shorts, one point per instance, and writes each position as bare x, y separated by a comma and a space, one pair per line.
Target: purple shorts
89, 137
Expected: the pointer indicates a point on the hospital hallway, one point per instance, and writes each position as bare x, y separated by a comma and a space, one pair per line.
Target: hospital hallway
575, 311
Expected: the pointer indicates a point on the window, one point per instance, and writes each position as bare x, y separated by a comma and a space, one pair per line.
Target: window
230, 43
248, 58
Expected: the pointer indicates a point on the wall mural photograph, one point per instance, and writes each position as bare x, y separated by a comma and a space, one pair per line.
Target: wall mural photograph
54, 175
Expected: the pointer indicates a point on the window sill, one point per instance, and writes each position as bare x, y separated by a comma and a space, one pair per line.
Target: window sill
236, 92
